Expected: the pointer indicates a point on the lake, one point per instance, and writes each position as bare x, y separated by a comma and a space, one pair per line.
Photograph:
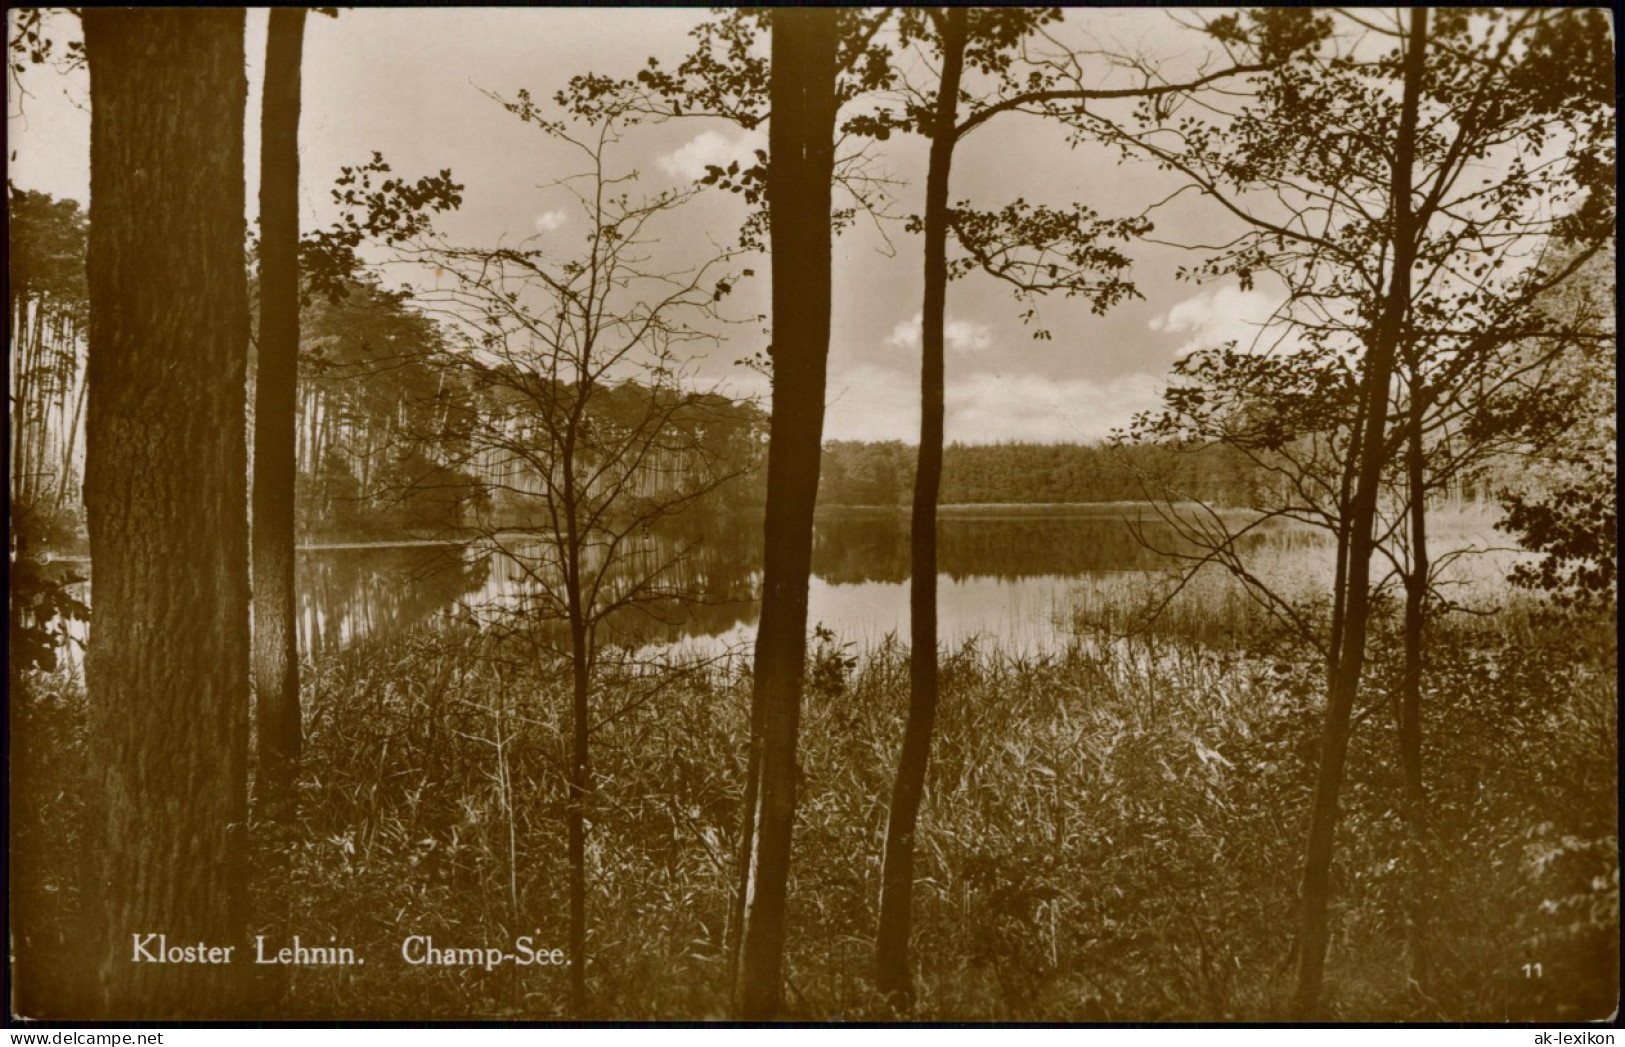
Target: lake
1006, 576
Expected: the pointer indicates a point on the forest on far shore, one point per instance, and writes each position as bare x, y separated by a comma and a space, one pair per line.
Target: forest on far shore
374, 380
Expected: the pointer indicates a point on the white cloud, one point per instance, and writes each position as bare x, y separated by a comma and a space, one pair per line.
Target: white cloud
711, 148
962, 336
877, 403
985, 407
906, 334
548, 221
1212, 318
965, 336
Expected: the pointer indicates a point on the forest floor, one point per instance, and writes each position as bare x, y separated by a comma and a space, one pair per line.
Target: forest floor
1112, 832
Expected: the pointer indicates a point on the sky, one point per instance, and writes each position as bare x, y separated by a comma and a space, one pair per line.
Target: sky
417, 86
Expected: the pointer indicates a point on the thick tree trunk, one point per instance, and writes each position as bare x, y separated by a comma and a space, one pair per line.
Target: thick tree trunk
1316, 890
165, 494
892, 973
276, 638
801, 145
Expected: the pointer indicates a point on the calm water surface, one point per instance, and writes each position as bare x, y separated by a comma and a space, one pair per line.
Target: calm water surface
1005, 577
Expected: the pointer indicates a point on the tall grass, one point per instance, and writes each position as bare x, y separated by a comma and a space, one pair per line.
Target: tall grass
1111, 832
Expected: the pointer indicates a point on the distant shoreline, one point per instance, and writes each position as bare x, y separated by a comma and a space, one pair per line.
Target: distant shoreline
75, 551
1019, 508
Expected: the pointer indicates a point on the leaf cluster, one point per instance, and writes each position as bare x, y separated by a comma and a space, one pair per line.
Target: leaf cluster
1039, 249
30, 44
391, 211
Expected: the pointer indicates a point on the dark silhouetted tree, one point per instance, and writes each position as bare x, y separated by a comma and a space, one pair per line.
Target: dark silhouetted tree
279, 731
1037, 250
166, 501
800, 173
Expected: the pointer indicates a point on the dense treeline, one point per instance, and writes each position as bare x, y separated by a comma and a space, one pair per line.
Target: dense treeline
401, 431
374, 385
377, 387
509, 469
47, 308
372, 389
1016, 473
368, 384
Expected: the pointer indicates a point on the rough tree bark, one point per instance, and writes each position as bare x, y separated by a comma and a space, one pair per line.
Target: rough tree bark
276, 642
1345, 686
166, 500
892, 972
801, 148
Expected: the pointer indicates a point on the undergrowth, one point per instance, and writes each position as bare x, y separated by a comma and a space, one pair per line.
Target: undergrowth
1111, 833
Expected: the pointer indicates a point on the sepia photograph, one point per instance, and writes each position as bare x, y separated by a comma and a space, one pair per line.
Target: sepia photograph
812, 514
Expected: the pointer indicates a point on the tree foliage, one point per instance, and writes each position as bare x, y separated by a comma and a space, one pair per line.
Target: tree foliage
372, 390
391, 211
1415, 204
1506, 174
580, 413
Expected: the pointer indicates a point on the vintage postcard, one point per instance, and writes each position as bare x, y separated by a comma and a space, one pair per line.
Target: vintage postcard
812, 514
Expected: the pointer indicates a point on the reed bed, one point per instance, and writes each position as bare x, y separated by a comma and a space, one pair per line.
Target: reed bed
1111, 831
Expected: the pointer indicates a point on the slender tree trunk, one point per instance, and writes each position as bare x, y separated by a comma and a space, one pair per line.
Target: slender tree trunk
44, 397
1316, 891
892, 973
1345, 523
14, 375
1410, 712
67, 370
25, 401
580, 666
72, 444
580, 783
22, 425
56, 405
17, 418
276, 637
801, 143
39, 390
323, 434
166, 499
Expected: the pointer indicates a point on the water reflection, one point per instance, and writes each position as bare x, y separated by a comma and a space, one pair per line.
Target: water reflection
988, 545
346, 592
1006, 577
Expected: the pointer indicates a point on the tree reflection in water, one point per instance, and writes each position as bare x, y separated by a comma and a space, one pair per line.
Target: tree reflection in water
1005, 574
346, 592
